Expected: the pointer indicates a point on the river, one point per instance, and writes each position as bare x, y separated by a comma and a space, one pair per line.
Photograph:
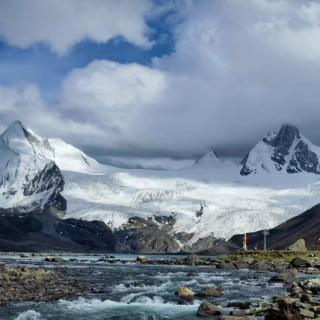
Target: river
133, 291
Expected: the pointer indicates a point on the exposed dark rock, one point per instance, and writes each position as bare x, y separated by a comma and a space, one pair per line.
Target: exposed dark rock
299, 262
41, 231
152, 234
50, 178
207, 309
54, 259
239, 305
282, 143
287, 277
303, 160
210, 292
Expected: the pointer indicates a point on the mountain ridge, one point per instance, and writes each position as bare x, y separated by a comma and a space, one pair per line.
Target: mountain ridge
231, 203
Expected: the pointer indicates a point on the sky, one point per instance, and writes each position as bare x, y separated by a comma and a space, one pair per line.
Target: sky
151, 79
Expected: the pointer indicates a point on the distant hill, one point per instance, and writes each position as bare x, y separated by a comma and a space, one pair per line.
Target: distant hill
304, 226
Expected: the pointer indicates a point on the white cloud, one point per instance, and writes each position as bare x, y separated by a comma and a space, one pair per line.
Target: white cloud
112, 96
24, 102
61, 24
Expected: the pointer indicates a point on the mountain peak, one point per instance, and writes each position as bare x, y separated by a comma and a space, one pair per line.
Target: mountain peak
15, 129
208, 159
284, 149
285, 135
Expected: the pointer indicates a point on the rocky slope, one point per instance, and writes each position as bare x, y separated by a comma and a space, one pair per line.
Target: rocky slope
42, 231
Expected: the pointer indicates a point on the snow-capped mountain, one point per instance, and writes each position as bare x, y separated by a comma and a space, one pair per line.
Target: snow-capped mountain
28, 179
232, 203
208, 160
283, 150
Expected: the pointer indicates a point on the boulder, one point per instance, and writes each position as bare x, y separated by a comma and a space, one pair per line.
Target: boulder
210, 292
305, 313
184, 292
53, 259
287, 277
299, 245
300, 263
207, 309
142, 259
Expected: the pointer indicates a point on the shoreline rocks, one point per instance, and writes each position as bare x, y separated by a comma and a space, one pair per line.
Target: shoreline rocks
273, 261
301, 304
36, 284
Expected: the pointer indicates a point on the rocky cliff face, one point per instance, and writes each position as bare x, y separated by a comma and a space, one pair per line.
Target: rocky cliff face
153, 234
284, 150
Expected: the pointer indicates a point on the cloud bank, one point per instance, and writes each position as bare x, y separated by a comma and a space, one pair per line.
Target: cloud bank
239, 69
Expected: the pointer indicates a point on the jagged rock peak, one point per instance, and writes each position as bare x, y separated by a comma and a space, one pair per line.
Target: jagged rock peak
281, 150
23, 141
283, 136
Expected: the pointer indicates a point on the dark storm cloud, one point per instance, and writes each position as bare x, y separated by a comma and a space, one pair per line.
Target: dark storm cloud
239, 70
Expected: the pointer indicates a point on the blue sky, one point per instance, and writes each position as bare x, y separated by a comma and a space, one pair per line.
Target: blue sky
40, 65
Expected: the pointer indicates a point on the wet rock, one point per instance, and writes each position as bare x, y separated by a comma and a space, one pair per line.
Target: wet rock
239, 305
300, 263
241, 265
295, 290
207, 309
134, 284
103, 259
54, 259
190, 274
311, 284
225, 265
184, 292
210, 292
287, 277
97, 290
260, 265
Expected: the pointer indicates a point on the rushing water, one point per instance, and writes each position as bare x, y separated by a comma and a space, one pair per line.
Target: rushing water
131, 291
